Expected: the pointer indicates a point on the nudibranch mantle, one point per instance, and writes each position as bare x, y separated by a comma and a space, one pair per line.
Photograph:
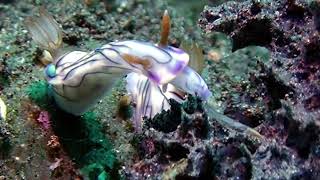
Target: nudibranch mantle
165, 62
78, 74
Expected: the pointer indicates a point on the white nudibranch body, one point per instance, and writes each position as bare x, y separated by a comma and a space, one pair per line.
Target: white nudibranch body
81, 79
155, 73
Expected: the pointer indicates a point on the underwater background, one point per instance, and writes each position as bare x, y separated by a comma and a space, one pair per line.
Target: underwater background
259, 58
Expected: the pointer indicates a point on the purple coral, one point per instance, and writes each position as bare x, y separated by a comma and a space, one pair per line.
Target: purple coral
44, 120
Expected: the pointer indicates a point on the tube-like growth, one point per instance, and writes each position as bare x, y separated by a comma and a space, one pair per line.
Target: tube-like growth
165, 31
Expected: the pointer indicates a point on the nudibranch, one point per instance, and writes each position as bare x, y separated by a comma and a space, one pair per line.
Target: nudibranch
155, 72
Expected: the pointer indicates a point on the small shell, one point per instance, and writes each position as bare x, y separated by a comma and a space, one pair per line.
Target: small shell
214, 55
46, 58
3, 110
123, 109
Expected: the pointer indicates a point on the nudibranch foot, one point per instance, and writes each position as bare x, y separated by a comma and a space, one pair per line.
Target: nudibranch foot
149, 97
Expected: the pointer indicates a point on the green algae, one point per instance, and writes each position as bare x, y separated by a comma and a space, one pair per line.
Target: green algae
101, 154
4, 79
166, 121
82, 137
189, 9
5, 144
192, 104
38, 92
219, 43
85, 143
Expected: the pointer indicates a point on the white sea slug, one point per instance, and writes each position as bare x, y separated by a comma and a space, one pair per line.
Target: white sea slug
155, 72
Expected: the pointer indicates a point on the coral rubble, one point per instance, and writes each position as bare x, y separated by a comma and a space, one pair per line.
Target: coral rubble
280, 96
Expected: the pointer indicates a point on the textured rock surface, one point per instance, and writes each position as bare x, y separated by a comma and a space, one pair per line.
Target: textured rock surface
280, 97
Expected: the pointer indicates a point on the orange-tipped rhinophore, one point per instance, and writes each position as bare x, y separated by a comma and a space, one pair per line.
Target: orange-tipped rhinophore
165, 24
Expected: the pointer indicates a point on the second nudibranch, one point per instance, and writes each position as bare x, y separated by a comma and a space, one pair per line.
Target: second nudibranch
155, 72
